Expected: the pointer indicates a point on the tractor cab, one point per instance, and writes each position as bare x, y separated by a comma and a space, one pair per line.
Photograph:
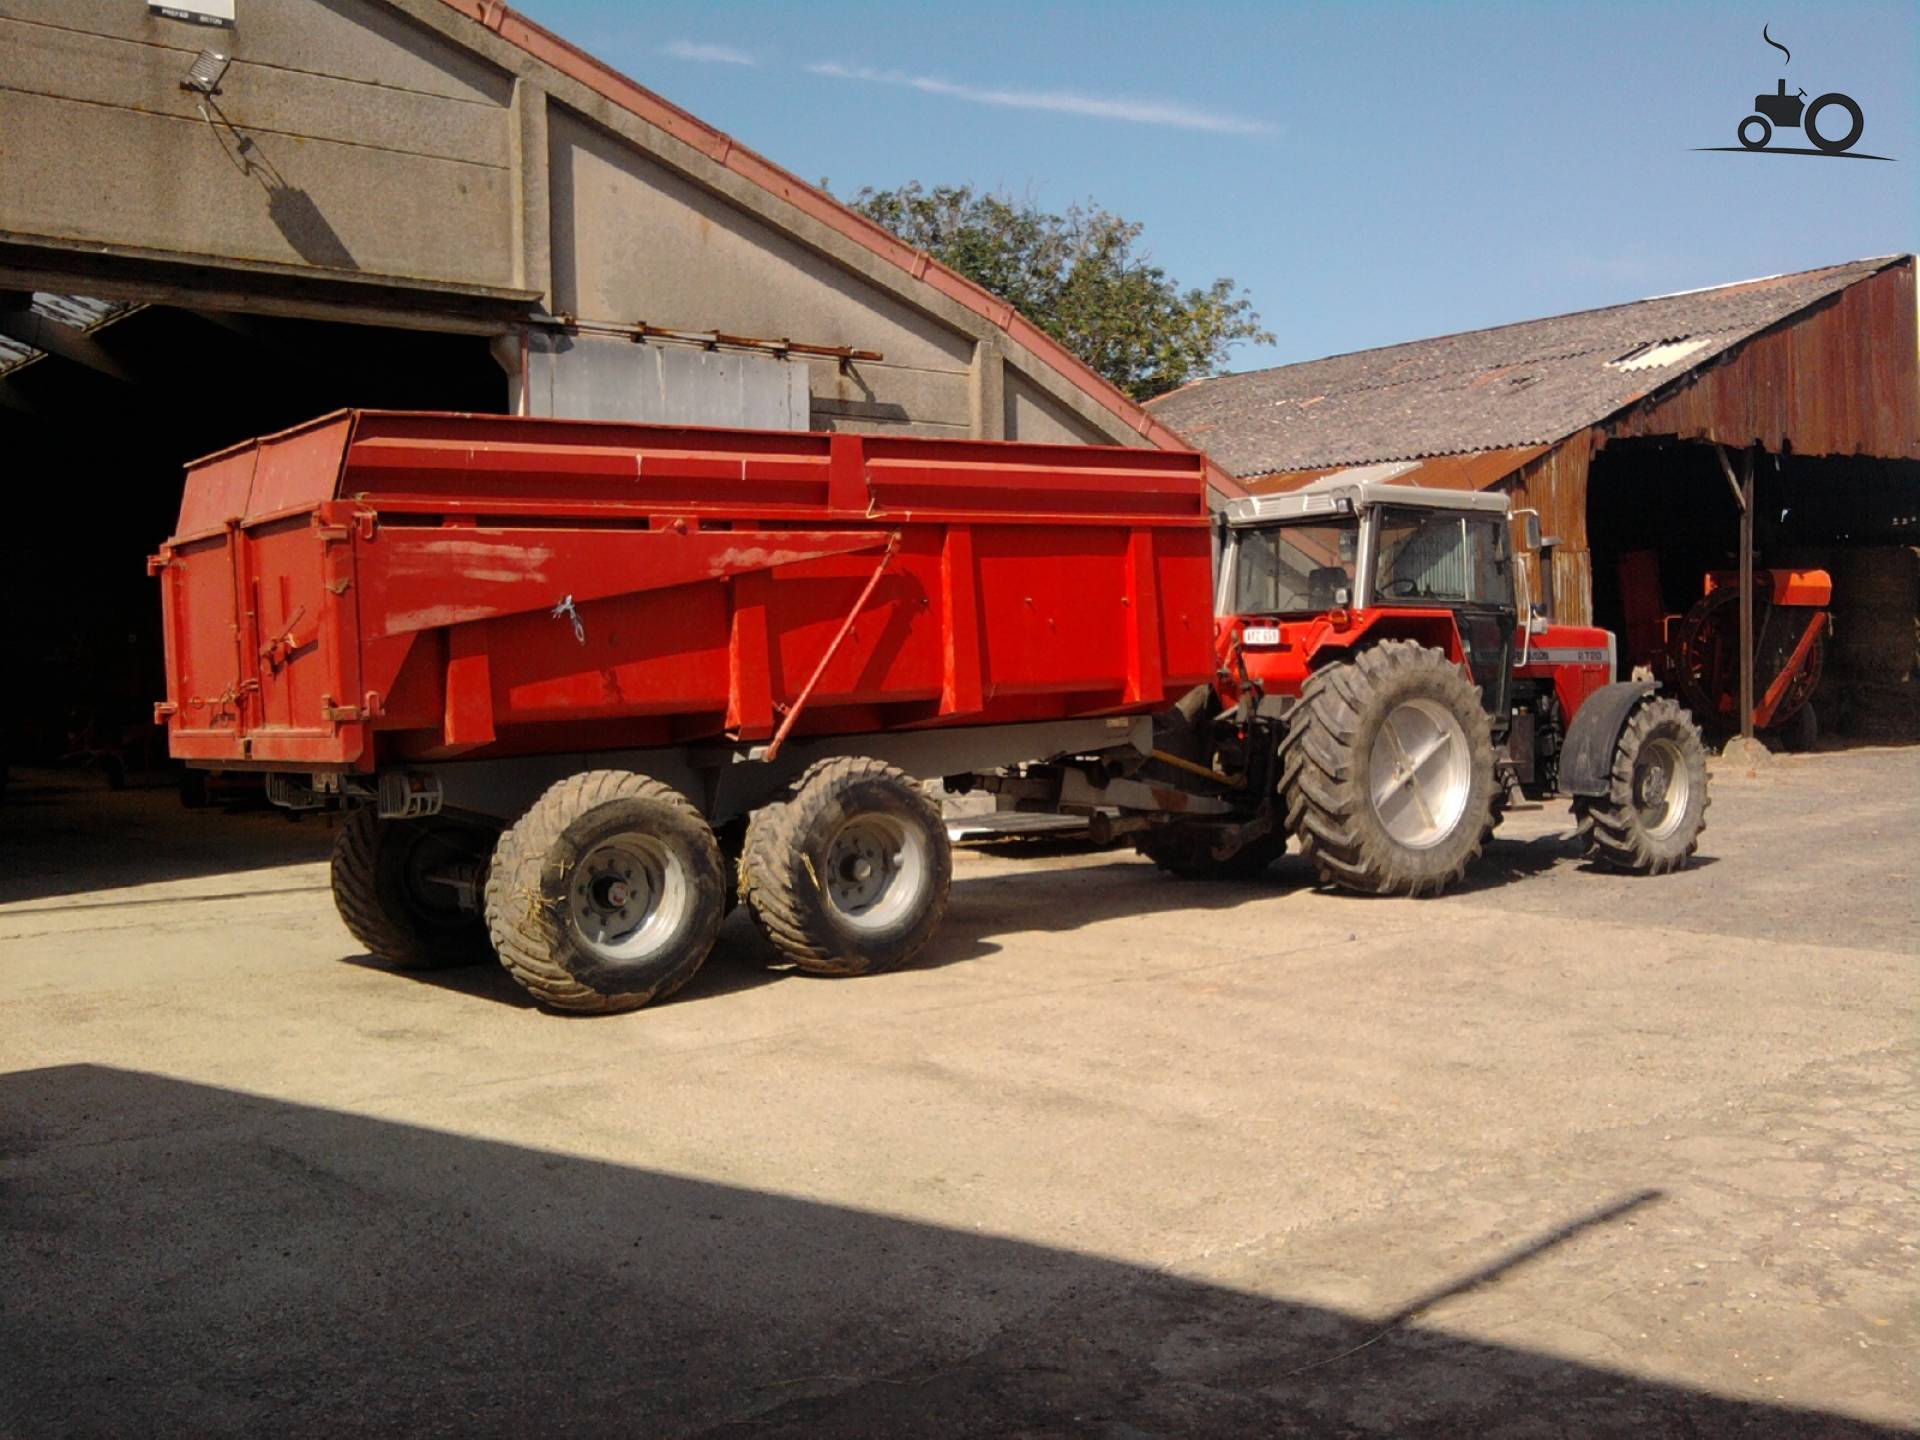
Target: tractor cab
1349, 559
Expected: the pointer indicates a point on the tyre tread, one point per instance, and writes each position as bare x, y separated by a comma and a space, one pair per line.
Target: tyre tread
517, 915
1322, 772
770, 889
1609, 825
355, 875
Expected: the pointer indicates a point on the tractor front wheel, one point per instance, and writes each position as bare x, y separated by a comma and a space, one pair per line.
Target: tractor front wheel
1388, 771
1650, 819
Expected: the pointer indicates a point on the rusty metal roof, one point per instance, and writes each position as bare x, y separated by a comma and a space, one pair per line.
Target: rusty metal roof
1528, 384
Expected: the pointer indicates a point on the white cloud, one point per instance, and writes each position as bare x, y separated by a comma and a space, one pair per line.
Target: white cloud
707, 54
1066, 102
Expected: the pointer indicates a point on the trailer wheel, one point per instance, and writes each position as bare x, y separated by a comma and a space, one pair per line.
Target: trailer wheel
1650, 819
1186, 853
1388, 771
607, 893
850, 874
385, 887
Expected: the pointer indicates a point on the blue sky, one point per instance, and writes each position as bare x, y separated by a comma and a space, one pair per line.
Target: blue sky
1368, 172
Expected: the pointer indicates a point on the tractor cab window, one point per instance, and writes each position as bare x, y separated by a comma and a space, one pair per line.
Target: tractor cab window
1294, 569
1441, 558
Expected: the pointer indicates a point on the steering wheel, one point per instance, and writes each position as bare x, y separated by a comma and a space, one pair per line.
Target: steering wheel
1400, 586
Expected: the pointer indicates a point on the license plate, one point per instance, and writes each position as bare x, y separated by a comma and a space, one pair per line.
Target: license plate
1260, 635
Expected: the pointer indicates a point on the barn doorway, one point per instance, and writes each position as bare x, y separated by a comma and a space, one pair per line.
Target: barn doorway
97, 420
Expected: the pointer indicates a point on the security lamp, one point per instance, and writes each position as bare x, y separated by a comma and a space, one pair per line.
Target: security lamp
207, 72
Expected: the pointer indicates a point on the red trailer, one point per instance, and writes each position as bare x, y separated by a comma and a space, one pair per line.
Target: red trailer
555, 668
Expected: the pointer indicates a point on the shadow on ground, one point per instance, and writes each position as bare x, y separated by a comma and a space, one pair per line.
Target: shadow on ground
987, 909
183, 1259
68, 834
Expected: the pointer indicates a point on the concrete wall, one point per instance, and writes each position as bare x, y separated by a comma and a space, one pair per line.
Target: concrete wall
344, 138
633, 240
401, 143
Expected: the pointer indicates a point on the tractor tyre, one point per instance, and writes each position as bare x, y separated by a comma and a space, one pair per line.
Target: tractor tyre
1650, 819
1186, 854
383, 888
607, 893
850, 874
1387, 771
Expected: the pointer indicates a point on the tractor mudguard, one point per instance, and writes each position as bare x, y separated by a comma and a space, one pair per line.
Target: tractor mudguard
1586, 758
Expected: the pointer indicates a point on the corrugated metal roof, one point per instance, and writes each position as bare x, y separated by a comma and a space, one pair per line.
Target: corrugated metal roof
1472, 470
76, 312
1533, 383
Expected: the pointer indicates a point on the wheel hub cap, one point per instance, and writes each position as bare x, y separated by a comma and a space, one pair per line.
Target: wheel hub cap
1654, 788
1662, 788
628, 897
877, 867
1420, 773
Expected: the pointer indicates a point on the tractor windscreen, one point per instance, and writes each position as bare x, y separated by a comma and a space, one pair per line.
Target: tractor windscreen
1441, 557
1294, 569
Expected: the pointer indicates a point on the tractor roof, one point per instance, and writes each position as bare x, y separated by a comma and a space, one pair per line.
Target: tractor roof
1354, 489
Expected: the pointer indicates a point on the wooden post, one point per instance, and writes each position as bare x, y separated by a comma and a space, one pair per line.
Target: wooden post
1746, 594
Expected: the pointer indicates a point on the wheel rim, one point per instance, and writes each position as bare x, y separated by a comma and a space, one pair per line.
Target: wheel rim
628, 897
1662, 788
877, 868
1420, 773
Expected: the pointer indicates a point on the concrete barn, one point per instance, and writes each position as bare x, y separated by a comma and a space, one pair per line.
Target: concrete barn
410, 203
1607, 421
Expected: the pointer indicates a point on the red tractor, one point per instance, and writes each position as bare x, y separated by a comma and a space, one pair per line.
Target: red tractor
1381, 691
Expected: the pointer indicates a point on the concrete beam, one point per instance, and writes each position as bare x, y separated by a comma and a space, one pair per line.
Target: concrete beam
988, 389
529, 162
30, 262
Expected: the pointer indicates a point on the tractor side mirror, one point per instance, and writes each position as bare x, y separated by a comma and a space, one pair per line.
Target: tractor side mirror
1530, 526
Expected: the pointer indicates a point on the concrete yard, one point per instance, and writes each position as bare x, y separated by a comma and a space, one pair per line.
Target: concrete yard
1562, 1154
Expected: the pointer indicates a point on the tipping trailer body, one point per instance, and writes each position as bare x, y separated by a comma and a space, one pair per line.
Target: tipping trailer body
375, 591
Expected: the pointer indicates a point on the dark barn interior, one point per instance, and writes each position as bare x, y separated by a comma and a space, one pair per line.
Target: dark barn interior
97, 421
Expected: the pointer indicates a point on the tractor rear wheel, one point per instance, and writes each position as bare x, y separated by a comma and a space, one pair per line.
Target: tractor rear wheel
396, 884
607, 893
1388, 771
1650, 819
851, 873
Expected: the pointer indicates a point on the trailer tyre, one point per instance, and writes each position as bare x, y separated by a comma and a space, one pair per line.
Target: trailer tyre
1387, 771
386, 898
607, 893
1650, 819
851, 873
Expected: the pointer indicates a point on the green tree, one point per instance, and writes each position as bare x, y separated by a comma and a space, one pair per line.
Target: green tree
1081, 277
